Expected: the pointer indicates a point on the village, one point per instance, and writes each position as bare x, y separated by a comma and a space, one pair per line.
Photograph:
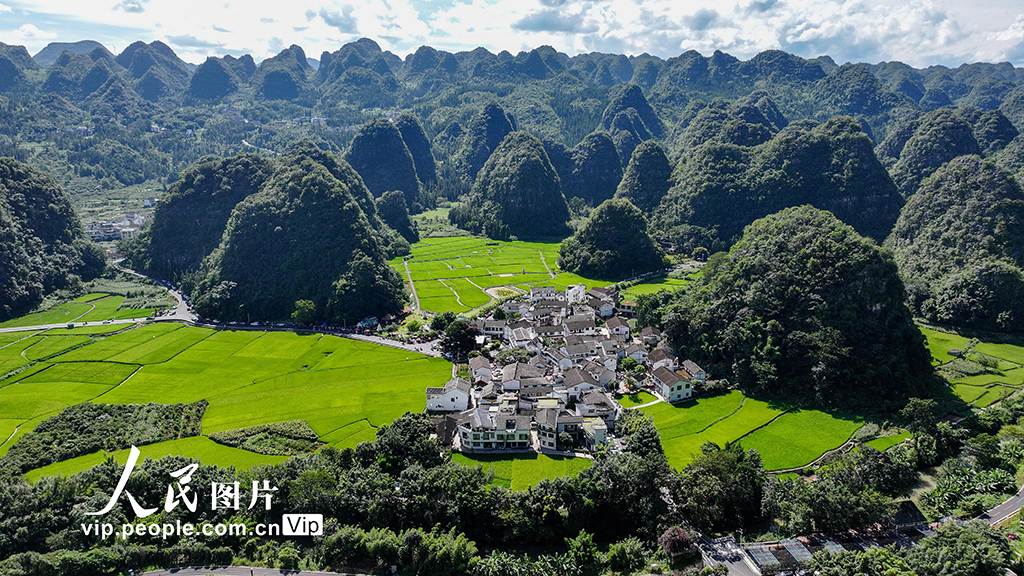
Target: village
580, 353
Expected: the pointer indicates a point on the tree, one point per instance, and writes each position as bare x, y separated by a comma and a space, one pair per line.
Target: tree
305, 312
803, 334
512, 355
612, 242
441, 321
459, 338
584, 554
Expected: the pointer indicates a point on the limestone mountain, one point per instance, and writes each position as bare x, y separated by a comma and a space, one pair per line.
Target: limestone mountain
303, 236
213, 80
612, 243
42, 245
960, 231
284, 77
720, 187
517, 193
46, 57
419, 147
189, 221
591, 169
805, 309
379, 154
647, 178
485, 132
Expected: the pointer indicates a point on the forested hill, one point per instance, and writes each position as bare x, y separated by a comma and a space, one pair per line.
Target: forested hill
42, 244
523, 145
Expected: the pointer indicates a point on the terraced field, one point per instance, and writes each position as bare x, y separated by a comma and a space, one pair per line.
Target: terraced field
342, 388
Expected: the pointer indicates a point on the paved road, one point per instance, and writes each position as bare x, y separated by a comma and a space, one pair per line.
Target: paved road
238, 571
1000, 512
65, 324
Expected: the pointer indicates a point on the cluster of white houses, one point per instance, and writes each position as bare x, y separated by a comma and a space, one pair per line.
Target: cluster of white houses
562, 397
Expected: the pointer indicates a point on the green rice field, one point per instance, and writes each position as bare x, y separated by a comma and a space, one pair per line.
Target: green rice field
522, 471
939, 343
781, 437
886, 442
343, 388
637, 399
88, 308
451, 274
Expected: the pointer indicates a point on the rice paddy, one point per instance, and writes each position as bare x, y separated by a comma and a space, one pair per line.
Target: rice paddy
522, 471
343, 388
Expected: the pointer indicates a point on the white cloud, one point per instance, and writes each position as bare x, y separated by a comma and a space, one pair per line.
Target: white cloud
919, 32
4, 8
30, 32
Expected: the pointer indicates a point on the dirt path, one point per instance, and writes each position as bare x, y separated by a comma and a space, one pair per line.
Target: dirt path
412, 287
545, 263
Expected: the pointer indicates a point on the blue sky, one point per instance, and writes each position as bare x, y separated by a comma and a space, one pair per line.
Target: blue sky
919, 32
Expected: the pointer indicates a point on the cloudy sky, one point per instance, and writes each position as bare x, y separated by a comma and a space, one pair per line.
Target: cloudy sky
919, 32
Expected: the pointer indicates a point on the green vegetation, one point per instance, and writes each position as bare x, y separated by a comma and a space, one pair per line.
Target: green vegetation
647, 178
612, 243
41, 240
380, 156
955, 244
885, 442
722, 187
780, 436
524, 471
940, 343
84, 428
776, 316
280, 438
516, 193
341, 267
788, 442
632, 400
341, 388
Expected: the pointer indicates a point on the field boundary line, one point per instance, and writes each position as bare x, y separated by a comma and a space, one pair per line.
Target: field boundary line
20, 339
16, 428
21, 369
844, 447
367, 420
723, 418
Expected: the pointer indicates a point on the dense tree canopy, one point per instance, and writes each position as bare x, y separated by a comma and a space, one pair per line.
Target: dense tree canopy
42, 245
958, 246
720, 187
613, 243
189, 221
517, 193
379, 154
308, 234
803, 307
647, 177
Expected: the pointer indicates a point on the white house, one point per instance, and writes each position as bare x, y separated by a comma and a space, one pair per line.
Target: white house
453, 397
513, 374
650, 336
576, 326
480, 430
637, 352
662, 359
480, 369
578, 381
598, 403
617, 326
673, 387
600, 372
695, 371
575, 293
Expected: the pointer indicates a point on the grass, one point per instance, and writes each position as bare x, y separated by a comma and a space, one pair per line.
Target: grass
1008, 352
57, 315
655, 285
939, 343
51, 345
799, 437
637, 399
886, 442
521, 471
